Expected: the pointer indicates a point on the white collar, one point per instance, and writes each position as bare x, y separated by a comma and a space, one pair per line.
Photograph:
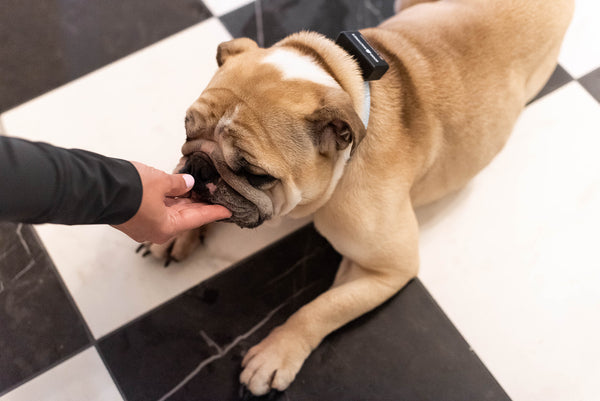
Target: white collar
366, 104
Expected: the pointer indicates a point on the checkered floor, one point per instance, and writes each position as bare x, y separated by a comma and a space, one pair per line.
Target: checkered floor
512, 259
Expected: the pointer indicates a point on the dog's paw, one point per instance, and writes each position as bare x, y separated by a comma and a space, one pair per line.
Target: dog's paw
273, 363
176, 249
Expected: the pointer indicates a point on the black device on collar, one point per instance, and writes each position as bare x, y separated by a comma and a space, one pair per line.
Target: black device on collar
373, 66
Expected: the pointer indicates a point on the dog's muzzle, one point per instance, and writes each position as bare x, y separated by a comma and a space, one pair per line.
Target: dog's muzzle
211, 188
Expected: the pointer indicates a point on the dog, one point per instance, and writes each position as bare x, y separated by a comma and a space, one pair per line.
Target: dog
282, 131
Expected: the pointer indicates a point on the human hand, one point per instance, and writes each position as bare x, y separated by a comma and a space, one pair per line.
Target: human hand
161, 214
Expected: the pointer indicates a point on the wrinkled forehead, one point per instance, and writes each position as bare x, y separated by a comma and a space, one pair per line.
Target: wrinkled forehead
263, 70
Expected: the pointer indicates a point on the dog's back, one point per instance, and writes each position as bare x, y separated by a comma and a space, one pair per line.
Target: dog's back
470, 67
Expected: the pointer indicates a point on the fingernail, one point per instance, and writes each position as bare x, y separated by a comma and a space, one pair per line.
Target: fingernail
189, 181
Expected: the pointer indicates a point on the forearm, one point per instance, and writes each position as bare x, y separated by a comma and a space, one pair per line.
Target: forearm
41, 183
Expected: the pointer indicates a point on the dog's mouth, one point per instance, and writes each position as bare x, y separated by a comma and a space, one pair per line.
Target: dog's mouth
211, 188
243, 213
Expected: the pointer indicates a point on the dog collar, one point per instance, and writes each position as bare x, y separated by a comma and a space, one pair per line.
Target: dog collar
371, 64
366, 104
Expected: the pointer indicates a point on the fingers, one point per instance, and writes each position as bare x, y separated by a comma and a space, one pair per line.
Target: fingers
179, 184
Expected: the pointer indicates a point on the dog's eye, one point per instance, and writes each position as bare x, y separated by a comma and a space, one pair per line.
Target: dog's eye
258, 180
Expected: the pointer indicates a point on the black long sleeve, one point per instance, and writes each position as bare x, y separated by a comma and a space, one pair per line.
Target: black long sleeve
41, 183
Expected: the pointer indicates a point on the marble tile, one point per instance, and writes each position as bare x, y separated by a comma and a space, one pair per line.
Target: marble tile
220, 7
39, 326
513, 258
559, 78
282, 17
191, 348
53, 42
83, 377
580, 52
591, 82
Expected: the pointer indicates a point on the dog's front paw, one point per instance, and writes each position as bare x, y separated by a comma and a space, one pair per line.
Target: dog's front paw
274, 362
176, 249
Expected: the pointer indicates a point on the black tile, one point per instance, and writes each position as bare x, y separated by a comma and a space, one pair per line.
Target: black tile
241, 22
591, 82
192, 347
46, 43
407, 349
559, 78
39, 326
282, 17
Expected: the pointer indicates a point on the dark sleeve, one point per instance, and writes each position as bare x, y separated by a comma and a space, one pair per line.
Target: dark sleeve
41, 183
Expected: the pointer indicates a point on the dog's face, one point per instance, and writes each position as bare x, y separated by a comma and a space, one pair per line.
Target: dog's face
270, 135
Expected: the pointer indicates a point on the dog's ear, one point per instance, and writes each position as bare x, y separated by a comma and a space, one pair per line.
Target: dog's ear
233, 47
335, 124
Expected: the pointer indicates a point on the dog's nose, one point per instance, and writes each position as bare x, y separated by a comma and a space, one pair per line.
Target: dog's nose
202, 169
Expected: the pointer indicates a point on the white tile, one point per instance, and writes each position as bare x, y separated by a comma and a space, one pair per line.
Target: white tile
83, 377
580, 52
513, 259
222, 7
134, 109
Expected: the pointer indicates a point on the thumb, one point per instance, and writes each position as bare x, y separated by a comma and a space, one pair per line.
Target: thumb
196, 214
179, 184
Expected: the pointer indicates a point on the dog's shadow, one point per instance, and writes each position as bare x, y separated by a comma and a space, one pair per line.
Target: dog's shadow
432, 214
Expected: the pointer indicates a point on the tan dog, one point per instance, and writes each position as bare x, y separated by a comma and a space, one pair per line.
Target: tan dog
278, 132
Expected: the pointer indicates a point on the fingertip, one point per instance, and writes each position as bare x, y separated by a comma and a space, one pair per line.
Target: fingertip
189, 181
179, 184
